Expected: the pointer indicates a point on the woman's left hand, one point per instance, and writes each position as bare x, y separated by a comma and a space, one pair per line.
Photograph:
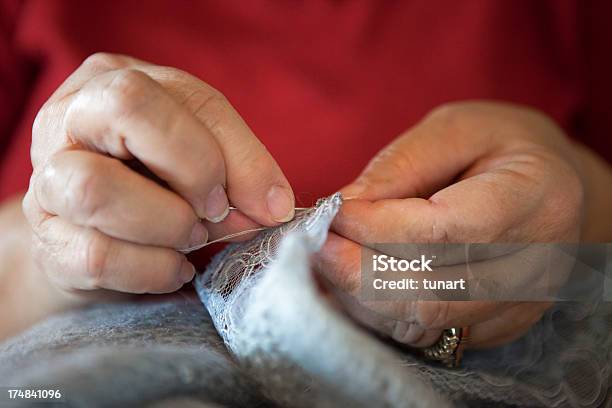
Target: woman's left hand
472, 172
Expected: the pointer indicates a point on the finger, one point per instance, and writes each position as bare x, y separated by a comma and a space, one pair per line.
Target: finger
85, 259
125, 113
484, 208
433, 153
96, 191
414, 220
423, 331
255, 183
368, 315
533, 273
339, 261
508, 326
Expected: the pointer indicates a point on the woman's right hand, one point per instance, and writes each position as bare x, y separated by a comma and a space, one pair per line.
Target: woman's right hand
99, 224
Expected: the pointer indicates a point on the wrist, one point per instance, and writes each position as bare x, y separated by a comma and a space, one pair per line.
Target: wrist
25, 291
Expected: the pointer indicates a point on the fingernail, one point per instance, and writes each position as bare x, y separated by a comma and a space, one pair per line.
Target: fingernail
199, 235
280, 204
217, 205
187, 271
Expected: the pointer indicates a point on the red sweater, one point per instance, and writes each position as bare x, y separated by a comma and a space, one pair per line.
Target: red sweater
324, 84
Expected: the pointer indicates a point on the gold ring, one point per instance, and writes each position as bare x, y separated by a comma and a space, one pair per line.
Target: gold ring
449, 348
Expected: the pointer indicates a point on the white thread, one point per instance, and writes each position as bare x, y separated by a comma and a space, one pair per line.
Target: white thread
233, 235
230, 236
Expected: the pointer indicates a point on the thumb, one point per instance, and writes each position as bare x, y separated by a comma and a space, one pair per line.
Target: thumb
428, 156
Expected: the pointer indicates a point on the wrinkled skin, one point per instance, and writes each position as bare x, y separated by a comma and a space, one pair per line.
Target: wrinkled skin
100, 224
472, 172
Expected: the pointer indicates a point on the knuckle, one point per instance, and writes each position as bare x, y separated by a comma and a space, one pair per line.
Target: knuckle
214, 167
461, 116
101, 61
204, 98
168, 280
439, 233
437, 227
206, 172
40, 120
452, 119
84, 194
97, 255
47, 256
398, 162
448, 112
27, 205
173, 282
432, 314
33, 214
400, 331
195, 182
177, 78
127, 92
40, 128
185, 218
210, 106
48, 262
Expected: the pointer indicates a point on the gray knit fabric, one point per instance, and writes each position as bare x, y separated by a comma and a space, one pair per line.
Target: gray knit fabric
129, 355
169, 353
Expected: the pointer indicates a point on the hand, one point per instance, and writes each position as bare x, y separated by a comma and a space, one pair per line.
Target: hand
468, 173
98, 223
